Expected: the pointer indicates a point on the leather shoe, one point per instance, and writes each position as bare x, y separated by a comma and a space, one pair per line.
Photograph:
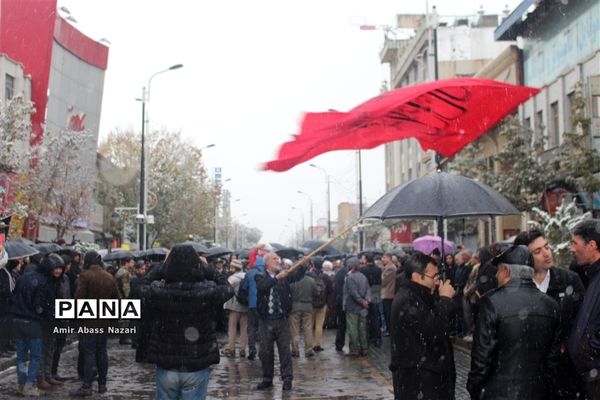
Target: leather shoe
264, 385
287, 385
317, 349
54, 382
102, 389
44, 385
82, 392
251, 356
295, 354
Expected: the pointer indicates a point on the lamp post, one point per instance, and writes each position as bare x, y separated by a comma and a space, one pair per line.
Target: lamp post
143, 186
310, 225
217, 203
301, 215
360, 200
328, 199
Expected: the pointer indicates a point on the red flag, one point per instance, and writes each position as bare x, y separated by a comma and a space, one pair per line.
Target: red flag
443, 115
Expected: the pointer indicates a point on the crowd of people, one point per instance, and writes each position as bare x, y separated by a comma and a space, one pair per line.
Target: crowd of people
533, 325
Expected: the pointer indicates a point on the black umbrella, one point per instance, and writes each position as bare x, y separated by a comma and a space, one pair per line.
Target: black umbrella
290, 252
440, 195
198, 247
374, 251
16, 249
118, 255
217, 251
243, 254
276, 246
24, 240
327, 251
47, 248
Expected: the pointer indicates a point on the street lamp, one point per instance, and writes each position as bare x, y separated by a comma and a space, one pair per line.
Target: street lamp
143, 187
328, 199
311, 213
302, 215
208, 146
360, 200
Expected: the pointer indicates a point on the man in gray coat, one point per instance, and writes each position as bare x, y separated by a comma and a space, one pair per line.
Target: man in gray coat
356, 306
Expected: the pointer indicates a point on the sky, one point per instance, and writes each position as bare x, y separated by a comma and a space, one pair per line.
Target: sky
250, 71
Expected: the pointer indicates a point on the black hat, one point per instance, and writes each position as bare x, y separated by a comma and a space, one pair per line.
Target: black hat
519, 255
317, 262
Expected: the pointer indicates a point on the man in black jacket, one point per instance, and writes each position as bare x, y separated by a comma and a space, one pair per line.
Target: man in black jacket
182, 308
584, 342
422, 361
274, 304
516, 341
566, 288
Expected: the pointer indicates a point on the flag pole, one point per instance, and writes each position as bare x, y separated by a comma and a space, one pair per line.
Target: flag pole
321, 247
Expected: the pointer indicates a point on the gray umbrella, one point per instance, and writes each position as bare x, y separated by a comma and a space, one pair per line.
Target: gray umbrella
440, 195
47, 248
198, 247
16, 250
118, 255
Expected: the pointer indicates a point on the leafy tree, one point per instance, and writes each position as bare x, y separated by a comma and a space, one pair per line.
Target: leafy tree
176, 178
16, 154
578, 161
60, 189
558, 229
518, 174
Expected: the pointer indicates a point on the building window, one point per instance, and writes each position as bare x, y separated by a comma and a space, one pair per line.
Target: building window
9, 86
596, 106
554, 129
539, 127
570, 105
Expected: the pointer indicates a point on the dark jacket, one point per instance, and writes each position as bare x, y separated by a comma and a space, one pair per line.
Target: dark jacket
340, 277
515, 344
567, 290
35, 296
6, 295
96, 283
182, 334
373, 274
421, 347
584, 341
264, 283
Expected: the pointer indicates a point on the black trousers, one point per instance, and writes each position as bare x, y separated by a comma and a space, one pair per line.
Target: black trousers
252, 330
275, 331
340, 331
387, 311
373, 327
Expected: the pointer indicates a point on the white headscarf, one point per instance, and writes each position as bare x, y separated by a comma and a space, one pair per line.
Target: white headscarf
3, 262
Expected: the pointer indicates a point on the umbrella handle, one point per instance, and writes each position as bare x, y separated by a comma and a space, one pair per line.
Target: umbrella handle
321, 247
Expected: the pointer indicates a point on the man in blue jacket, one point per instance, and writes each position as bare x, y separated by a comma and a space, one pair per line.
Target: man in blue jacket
249, 280
584, 342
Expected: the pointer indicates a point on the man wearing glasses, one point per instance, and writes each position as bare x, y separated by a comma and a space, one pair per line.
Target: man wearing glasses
422, 361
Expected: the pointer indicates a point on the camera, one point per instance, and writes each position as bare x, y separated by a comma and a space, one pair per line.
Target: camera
140, 219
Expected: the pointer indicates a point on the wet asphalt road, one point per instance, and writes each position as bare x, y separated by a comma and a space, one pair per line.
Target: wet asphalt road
329, 375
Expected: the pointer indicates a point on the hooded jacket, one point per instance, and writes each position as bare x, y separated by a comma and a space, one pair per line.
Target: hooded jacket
182, 327
35, 292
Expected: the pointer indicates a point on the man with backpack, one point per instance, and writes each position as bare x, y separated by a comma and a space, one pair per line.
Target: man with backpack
319, 302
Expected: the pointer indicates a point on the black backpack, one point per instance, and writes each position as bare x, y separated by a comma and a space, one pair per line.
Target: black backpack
243, 292
320, 299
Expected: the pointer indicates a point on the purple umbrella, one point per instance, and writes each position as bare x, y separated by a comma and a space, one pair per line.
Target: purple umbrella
426, 244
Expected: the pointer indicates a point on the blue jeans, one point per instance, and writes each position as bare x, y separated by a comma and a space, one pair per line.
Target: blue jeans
175, 385
29, 347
